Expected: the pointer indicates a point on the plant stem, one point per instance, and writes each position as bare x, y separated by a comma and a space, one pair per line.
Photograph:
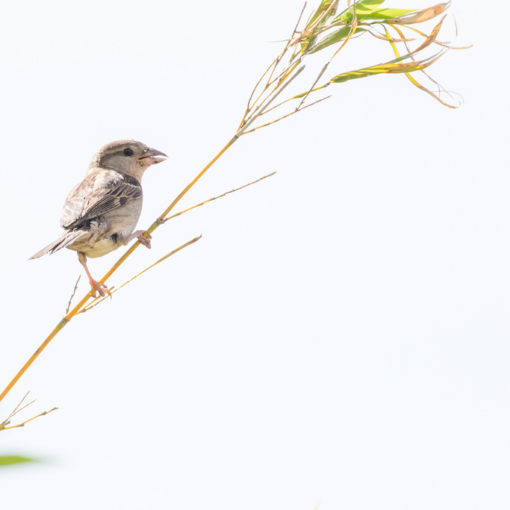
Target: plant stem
68, 317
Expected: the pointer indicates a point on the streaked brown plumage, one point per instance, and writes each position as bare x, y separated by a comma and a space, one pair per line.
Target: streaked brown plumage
101, 212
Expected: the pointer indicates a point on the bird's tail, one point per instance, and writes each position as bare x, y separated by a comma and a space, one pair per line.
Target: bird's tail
68, 237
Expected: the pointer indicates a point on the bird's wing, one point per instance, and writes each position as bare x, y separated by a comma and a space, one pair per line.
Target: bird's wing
97, 194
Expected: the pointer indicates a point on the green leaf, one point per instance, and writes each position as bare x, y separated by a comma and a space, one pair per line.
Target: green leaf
363, 9
392, 67
367, 6
9, 460
333, 38
388, 13
324, 6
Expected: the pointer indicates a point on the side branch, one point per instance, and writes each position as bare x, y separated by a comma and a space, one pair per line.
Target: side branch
6, 424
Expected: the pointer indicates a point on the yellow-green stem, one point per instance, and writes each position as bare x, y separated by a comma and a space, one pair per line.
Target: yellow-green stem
43, 346
68, 317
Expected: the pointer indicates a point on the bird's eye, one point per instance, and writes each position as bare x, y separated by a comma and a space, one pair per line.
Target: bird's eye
128, 152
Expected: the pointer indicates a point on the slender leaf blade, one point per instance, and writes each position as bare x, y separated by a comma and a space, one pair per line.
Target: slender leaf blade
391, 67
367, 6
363, 9
333, 38
323, 7
326, 10
9, 460
387, 14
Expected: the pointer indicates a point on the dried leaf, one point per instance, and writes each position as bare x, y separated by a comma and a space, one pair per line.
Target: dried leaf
428, 41
423, 15
410, 77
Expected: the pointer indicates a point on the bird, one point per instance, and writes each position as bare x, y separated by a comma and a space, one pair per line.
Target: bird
101, 212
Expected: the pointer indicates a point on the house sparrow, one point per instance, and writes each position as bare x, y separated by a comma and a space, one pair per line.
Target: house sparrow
100, 213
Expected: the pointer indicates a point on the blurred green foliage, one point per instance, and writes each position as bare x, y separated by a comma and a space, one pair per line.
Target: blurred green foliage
9, 460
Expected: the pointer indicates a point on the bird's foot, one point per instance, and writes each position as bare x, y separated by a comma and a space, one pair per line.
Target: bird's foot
100, 288
142, 236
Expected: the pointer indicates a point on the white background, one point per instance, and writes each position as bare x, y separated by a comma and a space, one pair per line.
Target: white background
339, 337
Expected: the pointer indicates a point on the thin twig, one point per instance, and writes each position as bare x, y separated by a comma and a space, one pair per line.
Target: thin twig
19, 407
271, 68
293, 112
169, 254
100, 299
274, 66
354, 26
261, 100
216, 197
248, 107
286, 47
282, 88
22, 424
72, 295
5, 425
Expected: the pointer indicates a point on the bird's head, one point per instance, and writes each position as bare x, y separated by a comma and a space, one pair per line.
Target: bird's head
128, 157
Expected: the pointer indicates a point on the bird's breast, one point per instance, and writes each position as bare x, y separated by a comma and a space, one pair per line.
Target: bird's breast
99, 248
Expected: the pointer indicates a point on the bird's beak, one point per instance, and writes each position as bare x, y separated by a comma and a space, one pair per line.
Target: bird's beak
152, 156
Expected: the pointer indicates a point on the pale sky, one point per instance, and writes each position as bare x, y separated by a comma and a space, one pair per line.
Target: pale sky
339, 336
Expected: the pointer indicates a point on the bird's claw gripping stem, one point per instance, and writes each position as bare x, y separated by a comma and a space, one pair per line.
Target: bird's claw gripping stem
101, 288
142, 236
